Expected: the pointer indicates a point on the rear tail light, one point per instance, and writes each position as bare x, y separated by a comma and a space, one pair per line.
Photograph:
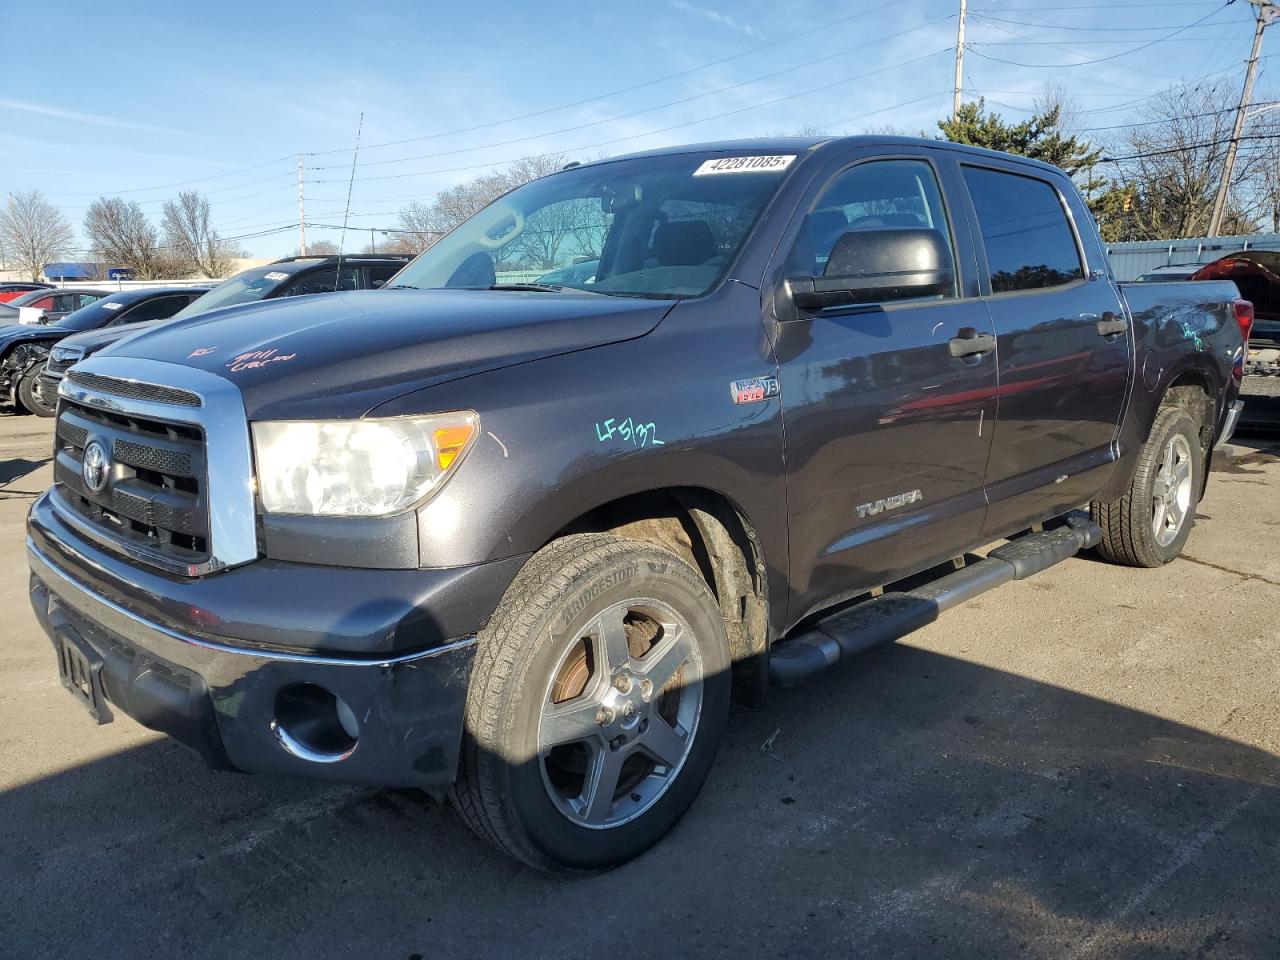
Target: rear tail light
1244, 317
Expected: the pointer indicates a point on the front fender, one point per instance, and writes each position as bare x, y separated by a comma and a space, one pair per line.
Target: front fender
564, 435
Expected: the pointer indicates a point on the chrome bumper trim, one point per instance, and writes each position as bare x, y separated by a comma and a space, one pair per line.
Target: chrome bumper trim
182, 648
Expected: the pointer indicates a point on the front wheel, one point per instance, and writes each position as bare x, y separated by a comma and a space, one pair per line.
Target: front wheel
31, 396
597, 701
1150, 524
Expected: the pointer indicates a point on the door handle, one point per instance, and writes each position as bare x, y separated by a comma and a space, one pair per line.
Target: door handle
1109, 325
971, 343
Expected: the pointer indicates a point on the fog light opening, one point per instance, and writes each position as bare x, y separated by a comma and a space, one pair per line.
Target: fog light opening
314, 724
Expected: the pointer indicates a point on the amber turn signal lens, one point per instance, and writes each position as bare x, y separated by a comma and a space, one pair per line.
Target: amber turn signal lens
451, 441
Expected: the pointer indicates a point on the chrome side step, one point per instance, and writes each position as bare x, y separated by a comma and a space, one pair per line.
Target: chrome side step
892, 615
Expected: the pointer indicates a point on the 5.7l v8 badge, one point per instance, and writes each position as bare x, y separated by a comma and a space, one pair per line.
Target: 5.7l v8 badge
754, 389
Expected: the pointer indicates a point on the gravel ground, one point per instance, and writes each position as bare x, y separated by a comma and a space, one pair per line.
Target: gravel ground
1079, 765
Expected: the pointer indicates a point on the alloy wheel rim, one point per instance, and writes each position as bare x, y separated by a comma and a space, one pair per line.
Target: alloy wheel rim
620, 714
1171, 491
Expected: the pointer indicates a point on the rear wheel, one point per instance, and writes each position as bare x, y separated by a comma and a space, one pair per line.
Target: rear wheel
598, 698
31, 396
1150, 524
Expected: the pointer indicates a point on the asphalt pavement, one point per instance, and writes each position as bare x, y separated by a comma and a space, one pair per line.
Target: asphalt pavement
1085, 764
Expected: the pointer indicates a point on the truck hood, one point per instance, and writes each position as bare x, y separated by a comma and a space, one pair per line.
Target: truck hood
91, 341
342, 354
15, 333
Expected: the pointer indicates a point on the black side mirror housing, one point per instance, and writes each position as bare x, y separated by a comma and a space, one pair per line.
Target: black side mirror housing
870, 266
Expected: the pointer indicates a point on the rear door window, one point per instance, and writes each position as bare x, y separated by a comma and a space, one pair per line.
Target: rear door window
1029, 241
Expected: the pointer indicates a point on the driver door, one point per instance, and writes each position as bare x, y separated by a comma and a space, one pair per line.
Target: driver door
887, 432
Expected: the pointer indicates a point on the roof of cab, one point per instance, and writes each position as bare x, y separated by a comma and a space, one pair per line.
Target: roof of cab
822, 145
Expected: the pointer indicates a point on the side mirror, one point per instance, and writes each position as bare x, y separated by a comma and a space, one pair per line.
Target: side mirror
870, 266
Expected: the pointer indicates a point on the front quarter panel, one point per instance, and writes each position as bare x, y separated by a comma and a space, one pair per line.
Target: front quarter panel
566, 434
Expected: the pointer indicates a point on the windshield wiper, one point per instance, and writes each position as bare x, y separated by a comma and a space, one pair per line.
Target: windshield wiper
400, 286
537, 287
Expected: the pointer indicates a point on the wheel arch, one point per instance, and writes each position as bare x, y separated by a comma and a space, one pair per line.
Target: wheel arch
714, 536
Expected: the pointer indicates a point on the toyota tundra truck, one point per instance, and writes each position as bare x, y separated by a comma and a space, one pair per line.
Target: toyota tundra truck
522, 542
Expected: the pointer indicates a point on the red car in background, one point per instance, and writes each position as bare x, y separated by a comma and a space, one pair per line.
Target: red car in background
1256, 274
9, 291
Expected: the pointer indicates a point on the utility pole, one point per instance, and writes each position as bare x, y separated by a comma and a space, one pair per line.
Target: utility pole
302, 215
373, 243
955, 100
1263, 15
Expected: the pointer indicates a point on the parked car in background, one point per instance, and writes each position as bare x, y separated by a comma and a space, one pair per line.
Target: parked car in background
45, 306
299, 276
1256, 274
10, 291
291, 277
24, 348
1174, 271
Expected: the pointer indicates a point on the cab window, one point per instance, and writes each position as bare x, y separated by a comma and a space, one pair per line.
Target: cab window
1029, 243
889, 196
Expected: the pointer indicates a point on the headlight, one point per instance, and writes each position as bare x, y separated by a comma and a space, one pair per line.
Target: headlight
358, 468
65, 355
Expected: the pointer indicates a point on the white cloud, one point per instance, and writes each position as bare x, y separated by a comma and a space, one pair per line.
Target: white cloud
717, 17
95, 119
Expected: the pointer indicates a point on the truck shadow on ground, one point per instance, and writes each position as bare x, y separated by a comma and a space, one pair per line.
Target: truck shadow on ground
19, 467
913, 805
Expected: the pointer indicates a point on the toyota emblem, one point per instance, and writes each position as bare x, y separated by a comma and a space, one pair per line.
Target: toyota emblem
95, 466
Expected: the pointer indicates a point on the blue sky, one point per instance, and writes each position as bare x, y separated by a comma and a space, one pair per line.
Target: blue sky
155, 94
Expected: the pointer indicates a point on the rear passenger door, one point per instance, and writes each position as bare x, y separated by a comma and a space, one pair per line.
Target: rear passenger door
887, 432
1062, 345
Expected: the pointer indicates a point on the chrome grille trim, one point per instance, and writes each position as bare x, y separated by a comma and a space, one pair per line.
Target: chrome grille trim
219, 413
133, 389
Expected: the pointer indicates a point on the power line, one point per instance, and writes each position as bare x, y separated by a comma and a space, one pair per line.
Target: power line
1065, 26
1189, 146
1116, 56
824, 28
676, 126
636, 113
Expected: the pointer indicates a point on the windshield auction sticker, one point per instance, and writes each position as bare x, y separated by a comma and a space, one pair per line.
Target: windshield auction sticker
744, 165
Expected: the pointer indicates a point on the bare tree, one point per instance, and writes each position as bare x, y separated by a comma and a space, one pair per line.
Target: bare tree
121, 235
190, 235
1172, 162
33, 232
320, 248
422, 224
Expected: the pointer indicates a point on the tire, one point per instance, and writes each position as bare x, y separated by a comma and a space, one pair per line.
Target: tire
29, 393
1168, 480
542, 717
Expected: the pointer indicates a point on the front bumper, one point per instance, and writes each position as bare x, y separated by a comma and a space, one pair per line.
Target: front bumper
226, 699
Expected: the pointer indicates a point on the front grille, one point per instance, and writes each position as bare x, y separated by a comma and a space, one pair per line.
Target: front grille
154, 502
134, 389
61, 360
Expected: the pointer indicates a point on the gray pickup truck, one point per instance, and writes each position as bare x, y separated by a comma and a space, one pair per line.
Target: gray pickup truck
521, 541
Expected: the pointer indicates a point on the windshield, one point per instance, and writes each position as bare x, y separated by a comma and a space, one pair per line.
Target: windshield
245, 287
665, 226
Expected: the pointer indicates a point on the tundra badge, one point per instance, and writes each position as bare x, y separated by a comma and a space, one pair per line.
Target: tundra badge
889, 503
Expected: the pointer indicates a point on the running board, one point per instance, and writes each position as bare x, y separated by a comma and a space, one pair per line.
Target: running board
891, 616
